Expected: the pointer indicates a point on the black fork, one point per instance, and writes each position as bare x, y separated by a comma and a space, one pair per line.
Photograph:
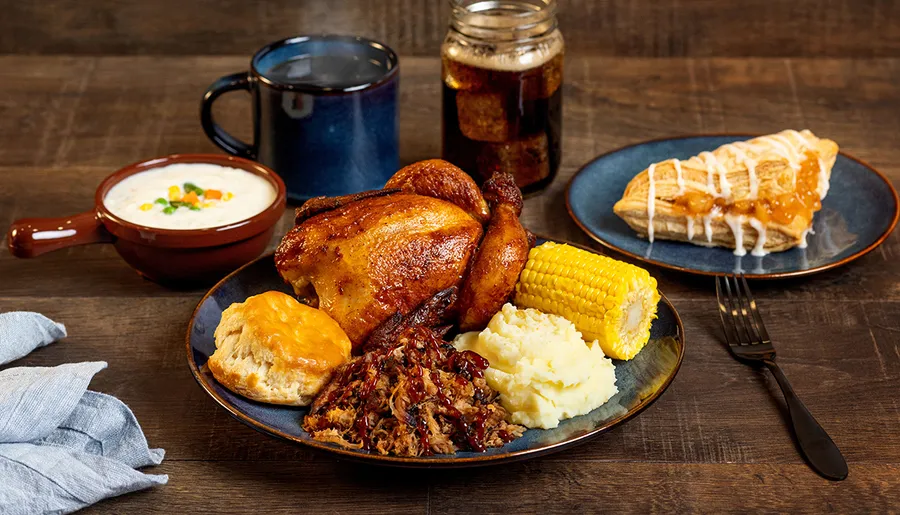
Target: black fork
749, 341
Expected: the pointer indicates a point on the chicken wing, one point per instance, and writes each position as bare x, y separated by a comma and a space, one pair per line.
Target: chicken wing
500, 258
439, 179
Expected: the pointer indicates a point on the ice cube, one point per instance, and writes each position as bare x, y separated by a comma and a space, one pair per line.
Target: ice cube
462, 76
543, 81
483, 116
527, 159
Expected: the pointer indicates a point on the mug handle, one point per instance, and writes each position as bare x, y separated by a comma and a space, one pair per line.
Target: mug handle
31, 237
225, 141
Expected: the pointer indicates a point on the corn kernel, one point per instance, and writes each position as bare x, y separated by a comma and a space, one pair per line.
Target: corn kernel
227, 196
208, 203
174, 193
146, 207
596, 293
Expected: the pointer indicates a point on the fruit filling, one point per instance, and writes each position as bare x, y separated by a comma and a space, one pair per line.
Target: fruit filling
782, 209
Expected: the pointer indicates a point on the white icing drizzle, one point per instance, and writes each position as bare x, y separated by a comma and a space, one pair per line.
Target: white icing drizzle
738, 269
709, 159
651, 202
733, 148
779, 141
806, 233
793, 153
679, 178
789, 145
823, 179
742, 145
751, 168
736, 223
779, 148
758, 249
776, 147
754, 180
806, 143
710, 184
723, 179
707, 227
801, 137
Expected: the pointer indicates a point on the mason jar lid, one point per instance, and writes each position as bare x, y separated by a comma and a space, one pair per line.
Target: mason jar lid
503, 20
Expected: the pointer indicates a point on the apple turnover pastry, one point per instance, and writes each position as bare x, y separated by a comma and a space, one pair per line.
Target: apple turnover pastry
758, 195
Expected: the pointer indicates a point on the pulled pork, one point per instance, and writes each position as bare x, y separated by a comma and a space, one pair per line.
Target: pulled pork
415, 396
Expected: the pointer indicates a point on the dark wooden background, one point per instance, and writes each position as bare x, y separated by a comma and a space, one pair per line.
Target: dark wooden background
626, 28
87, 87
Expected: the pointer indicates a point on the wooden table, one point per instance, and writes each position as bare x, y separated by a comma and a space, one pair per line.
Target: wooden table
716, 440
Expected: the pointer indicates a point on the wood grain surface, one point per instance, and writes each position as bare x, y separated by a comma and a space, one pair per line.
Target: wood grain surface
626, 28
717, 439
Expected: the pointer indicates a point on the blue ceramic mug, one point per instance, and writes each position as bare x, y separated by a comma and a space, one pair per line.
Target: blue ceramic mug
324, 114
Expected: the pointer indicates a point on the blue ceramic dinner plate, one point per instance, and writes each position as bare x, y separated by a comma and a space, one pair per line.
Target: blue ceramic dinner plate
859, 212
640, 382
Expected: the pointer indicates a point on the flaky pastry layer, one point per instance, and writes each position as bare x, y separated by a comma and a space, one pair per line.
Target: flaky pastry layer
725, 173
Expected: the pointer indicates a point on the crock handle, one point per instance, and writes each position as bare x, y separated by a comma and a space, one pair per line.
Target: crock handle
31, 237
225, 141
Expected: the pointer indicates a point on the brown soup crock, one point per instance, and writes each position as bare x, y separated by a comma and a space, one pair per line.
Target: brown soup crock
163, 255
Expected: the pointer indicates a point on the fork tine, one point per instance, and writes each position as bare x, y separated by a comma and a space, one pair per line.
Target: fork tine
733, 304
746, 320
724, 314
761, 327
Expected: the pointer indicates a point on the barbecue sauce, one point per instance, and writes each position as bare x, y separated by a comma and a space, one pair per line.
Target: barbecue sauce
419, 356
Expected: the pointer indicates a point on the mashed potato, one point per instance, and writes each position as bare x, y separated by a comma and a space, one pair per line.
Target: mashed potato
540, 365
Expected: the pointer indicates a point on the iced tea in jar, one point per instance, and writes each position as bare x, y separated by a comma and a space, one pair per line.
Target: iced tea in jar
502, 64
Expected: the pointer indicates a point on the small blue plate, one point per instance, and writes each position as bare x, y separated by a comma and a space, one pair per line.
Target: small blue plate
859, 212
640, 381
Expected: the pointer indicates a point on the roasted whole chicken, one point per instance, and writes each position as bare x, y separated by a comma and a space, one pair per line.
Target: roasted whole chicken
367, 257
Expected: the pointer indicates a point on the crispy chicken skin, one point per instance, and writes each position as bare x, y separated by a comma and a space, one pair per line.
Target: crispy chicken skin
500, 258
376, 256
371, 256
439, 179
317, 205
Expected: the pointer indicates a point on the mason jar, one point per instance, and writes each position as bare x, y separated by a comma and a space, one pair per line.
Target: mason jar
502, 66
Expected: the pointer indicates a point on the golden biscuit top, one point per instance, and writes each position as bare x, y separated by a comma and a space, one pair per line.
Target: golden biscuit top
300, 336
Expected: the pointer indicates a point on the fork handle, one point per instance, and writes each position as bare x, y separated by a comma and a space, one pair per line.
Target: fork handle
815, 444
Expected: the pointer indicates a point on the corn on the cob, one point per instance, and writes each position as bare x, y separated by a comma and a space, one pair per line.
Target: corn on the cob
607, 300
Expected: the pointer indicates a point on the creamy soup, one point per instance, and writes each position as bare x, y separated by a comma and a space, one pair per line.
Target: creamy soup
189, 196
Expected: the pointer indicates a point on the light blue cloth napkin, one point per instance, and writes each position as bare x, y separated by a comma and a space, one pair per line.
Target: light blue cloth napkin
62, 446
21, 332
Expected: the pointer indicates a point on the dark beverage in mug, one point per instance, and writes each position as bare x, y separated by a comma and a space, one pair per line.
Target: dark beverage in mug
324, 114
328, 71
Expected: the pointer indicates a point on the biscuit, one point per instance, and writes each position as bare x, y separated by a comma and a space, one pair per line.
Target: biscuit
271, 348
